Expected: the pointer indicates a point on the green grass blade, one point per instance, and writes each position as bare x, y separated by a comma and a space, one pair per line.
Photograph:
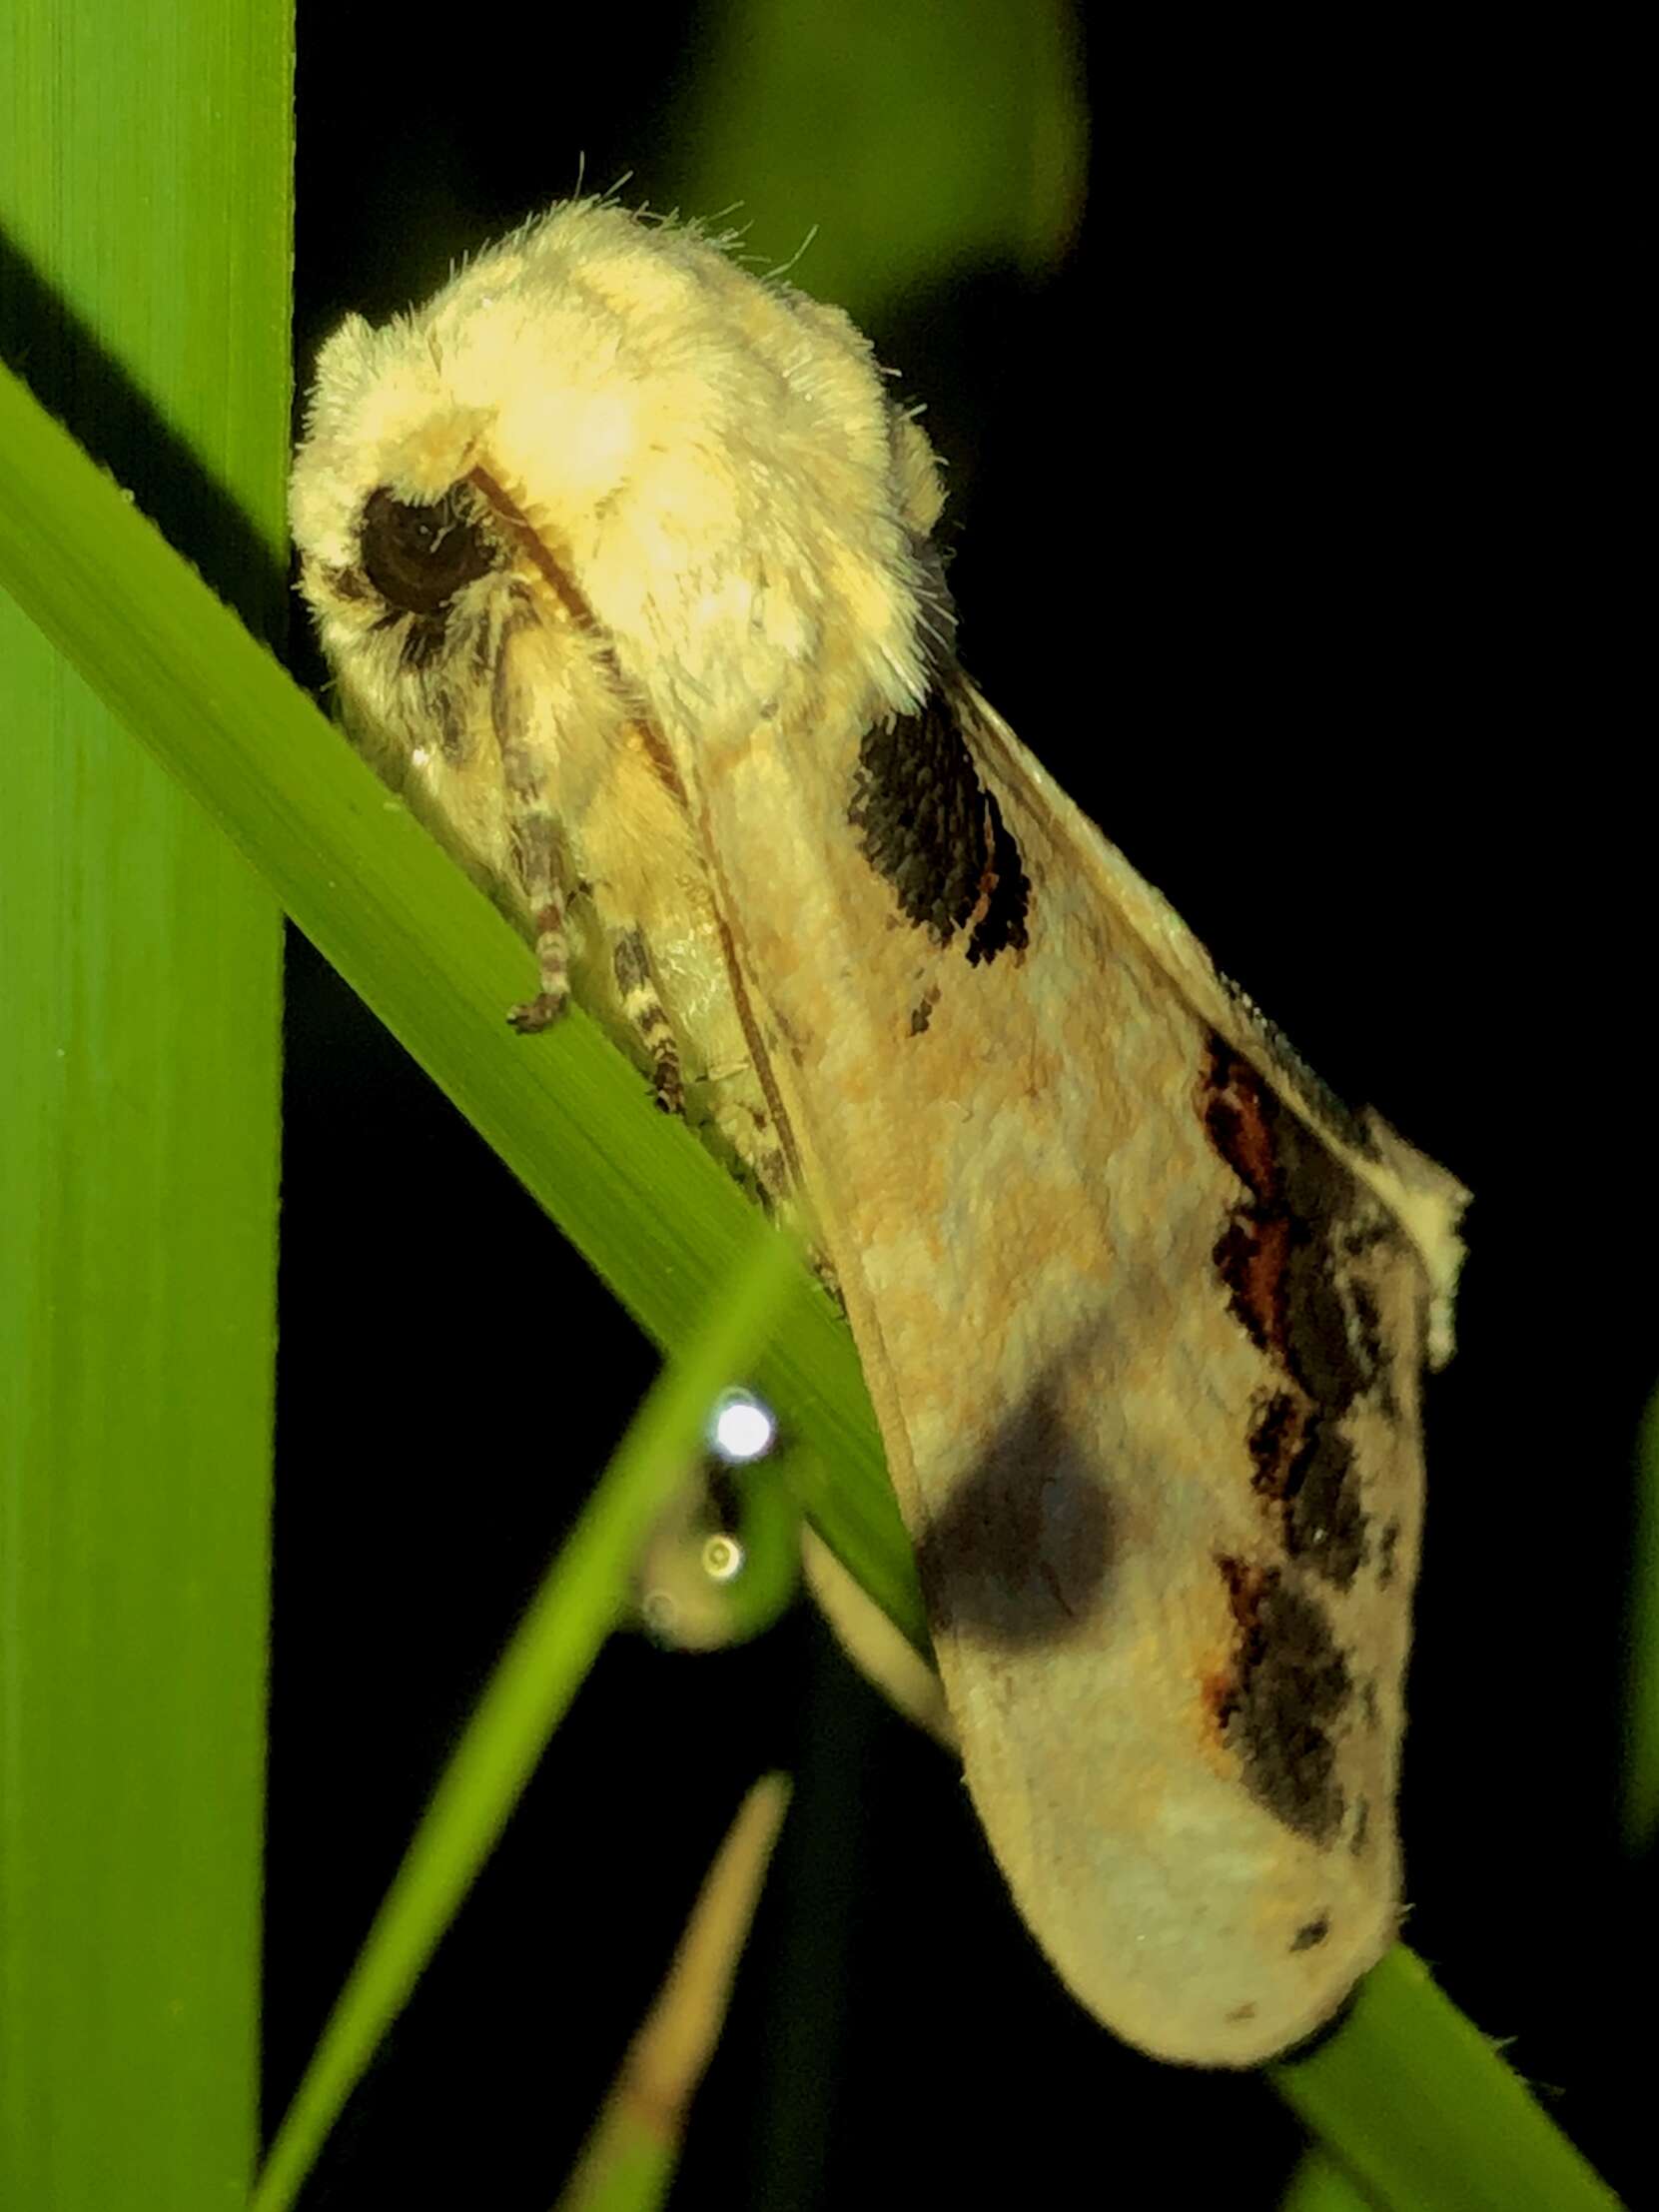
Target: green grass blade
1424, 2114
583, 1596
636, 1194
1319, 2186
144, 244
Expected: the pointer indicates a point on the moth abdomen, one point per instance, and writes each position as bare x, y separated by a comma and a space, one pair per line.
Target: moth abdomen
643, 1007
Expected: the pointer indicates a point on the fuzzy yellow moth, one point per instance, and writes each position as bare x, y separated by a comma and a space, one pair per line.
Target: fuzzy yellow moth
621, 555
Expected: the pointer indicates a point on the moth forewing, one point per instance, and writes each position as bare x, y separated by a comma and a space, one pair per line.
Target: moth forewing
622, 556
1145, 1339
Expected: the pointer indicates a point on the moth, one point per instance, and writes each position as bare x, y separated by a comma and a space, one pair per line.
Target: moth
624, 560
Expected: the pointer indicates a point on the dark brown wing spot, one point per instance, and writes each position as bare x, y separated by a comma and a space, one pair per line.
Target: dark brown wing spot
929, 826
1288, 1686
1287, 1261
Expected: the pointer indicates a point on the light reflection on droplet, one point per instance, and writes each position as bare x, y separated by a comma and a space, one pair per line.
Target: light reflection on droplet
722, 1558
742, 1429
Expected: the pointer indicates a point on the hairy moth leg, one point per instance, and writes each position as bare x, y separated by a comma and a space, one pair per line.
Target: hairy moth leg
642, 1004
535, 851
533, 836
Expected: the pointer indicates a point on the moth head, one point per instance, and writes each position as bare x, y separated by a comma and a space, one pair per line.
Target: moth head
692, 477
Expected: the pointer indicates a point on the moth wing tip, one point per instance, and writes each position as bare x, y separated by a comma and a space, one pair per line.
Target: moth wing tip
1430, 1201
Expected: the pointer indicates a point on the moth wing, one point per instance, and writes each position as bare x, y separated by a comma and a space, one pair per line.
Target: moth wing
1143, 1317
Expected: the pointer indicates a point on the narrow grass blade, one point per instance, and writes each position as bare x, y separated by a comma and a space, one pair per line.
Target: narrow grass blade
1319, 2186
627, 2163
1423, 2113
581, 1598
145, 160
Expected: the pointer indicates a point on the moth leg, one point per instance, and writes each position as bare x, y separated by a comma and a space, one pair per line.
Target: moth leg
770, 1166
749, 1130
764, 1154
645, 1010
535, 857
534, 835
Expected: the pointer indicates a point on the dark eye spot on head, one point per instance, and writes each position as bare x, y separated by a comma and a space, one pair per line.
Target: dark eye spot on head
417, 558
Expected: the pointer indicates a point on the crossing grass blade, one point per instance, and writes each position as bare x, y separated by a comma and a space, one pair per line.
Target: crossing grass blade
583, 1596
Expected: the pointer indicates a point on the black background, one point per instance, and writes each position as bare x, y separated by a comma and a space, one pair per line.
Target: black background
1275, 535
